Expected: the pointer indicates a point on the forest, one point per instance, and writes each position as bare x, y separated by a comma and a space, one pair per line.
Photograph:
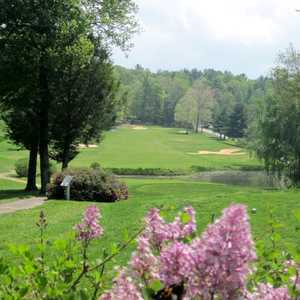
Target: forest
164, 98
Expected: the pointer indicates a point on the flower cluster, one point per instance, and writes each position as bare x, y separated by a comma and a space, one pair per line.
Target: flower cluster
159, 232
89, 227
222, 256
173, 263
267, 292
123, 288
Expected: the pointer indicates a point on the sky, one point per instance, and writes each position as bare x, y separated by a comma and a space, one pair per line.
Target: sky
241, 36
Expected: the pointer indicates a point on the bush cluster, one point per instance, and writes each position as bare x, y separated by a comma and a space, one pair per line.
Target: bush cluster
146, 171
89, 185
21, 167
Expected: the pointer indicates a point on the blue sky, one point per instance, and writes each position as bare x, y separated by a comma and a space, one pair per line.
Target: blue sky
242, 36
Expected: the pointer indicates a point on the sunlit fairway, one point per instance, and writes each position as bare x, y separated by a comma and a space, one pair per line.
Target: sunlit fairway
156, 147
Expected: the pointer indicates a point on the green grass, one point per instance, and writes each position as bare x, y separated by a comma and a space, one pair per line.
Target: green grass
159, 147
11, 190
206, 198
155, 147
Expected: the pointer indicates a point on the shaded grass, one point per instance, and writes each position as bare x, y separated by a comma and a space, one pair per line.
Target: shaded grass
11, 190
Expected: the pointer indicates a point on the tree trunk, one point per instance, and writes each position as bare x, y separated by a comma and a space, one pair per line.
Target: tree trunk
65, 159
31, 177
44, 129
44, 156
197, 122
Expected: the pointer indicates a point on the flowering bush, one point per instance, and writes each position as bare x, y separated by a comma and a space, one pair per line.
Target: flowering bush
170, 262
90, 184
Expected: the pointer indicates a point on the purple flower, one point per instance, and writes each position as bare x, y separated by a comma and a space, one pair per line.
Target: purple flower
143, 263
89, 227
267, 292
175, 264
123, 288
222, 256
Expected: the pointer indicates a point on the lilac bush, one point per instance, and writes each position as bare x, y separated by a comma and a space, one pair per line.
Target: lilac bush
171, 261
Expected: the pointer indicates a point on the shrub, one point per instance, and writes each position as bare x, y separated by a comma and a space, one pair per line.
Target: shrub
95, 166
146, 171
21, 167
89, 185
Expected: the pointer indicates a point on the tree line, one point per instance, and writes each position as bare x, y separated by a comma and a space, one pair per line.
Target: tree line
191, 98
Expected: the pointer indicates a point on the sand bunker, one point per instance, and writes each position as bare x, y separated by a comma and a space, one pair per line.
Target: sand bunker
228, 152
82, 146
139, 128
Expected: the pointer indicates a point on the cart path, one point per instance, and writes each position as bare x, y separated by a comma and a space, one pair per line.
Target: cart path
7, 176
10, 207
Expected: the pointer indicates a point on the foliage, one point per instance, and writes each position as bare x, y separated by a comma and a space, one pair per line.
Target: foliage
167, 88
195, 108
85, 104
43, 47
170, 260
21, 167
89, 185
274, 133
145, 171
237, 122
95, 166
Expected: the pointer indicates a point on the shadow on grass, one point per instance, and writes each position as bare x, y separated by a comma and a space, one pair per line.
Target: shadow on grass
13, 193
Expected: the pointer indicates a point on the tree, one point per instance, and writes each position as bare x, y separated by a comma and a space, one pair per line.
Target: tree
151, 101
195, 108
237, 121
33, 34
84, 106
275, 133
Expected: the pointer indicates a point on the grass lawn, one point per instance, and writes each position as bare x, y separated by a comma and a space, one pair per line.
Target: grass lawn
11, 190
159, 147
206, 198
155, 147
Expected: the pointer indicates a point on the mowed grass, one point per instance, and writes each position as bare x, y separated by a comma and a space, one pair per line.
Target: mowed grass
11, 190
154, 147
158, 147
206, 198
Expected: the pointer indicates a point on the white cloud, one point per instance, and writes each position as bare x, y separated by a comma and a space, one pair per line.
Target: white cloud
240, 35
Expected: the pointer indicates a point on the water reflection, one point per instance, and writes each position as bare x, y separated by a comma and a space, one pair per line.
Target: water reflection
242, 178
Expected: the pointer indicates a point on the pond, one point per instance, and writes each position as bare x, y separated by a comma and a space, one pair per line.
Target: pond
242, 178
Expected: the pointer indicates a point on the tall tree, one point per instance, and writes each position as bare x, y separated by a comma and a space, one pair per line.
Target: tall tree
85, 105
275, 133
34, 33
195, 108
237, 122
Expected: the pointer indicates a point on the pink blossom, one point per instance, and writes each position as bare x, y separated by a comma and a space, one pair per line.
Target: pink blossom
175, 264
143, 263
160, 232
222, 256
123, 288
156, 228
267, 292
89, 227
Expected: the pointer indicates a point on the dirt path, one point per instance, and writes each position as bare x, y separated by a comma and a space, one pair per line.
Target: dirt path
7, 176
17, 205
